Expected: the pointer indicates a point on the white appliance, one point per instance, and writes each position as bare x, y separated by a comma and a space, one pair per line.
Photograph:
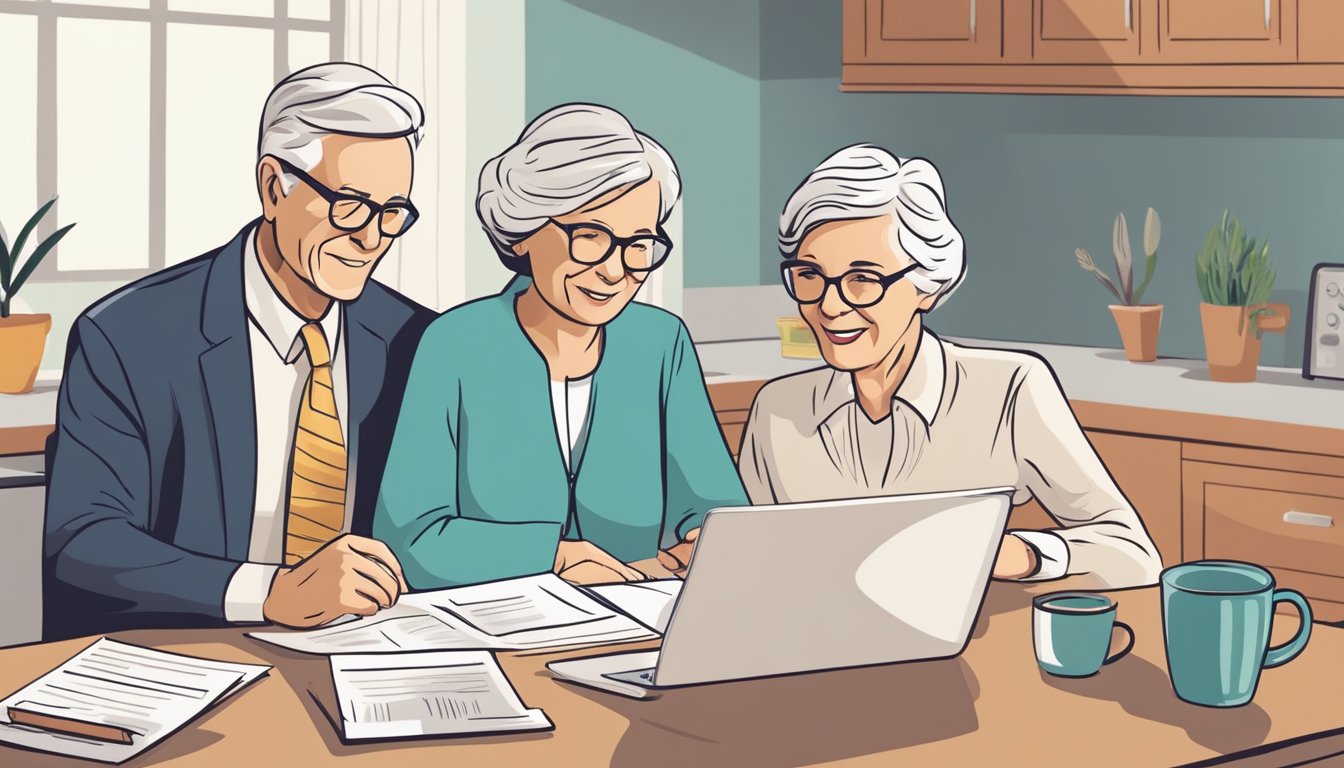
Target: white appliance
1324, 356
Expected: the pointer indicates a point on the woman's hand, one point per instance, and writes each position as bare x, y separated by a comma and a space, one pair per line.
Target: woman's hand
582, 562
677, 558
1016, 560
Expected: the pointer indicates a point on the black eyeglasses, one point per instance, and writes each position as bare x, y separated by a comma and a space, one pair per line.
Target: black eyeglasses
858, 288
593, 244
351, 213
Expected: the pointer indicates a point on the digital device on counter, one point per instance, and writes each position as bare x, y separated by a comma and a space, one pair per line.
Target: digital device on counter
1324, 356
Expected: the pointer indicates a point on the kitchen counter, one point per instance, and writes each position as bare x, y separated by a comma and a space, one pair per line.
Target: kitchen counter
1097, 380
1100, 376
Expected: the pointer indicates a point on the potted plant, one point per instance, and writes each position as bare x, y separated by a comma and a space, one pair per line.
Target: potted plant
1137, 322
23, 338
1235, 280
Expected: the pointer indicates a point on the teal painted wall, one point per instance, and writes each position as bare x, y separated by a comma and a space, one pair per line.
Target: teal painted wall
1029, 178
687, 74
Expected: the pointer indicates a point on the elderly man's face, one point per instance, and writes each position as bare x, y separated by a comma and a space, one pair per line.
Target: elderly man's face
855, 339
336, 262
592, 294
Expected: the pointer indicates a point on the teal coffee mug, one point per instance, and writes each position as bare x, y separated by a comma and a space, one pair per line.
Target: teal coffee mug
1216, 616
1072, 633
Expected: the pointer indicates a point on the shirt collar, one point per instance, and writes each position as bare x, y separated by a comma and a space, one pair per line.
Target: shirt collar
273, 317
922, 388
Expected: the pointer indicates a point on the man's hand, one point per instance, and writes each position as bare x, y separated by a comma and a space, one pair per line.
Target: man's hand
1016, 560
677, 557
582, 562
350, 574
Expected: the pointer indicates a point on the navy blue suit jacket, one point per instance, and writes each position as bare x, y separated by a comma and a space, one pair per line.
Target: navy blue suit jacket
152, 468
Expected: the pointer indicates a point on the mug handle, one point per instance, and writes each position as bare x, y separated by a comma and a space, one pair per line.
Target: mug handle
1123, 652
1289, 650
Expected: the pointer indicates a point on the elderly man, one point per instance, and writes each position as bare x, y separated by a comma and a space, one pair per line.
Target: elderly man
222, 425
869, 249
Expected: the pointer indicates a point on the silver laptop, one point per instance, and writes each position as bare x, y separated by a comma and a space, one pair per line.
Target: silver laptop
781, 589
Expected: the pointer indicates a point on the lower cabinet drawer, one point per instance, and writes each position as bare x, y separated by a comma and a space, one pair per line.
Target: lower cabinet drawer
1289, 522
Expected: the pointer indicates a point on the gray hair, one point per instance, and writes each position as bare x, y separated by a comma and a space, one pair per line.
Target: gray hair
864, 181
563, 160
335, 98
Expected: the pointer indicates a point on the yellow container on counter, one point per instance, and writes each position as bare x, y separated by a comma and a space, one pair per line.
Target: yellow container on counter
796, 339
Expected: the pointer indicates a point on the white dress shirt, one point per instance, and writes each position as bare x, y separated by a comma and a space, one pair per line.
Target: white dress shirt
962, 418
279, 374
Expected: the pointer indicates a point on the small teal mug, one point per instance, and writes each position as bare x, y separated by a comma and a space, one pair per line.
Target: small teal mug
1072, 633
1216, 616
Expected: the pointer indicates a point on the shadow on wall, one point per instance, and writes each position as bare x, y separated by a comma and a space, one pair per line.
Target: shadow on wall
724, 32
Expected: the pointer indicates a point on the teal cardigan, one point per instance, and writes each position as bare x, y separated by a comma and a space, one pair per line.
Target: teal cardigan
476, 488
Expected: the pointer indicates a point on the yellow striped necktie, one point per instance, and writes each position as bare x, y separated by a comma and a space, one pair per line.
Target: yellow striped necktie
317, 475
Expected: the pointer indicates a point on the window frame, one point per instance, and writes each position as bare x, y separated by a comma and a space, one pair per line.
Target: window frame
159, 17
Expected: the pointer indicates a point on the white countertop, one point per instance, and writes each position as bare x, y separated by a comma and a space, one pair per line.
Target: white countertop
1102, 376
1087, 373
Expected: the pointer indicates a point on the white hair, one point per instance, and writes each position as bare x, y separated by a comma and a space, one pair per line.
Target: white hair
863, 182
335, 98
566, 158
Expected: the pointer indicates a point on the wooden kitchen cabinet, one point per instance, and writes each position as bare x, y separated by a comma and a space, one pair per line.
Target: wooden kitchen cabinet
1278, 510
1166, 47
1320, 31
945, 31
1226, 31
1085, 31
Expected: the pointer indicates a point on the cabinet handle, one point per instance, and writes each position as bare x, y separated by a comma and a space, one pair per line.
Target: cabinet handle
973, 16
1308, 518
1129, 15
1267, 7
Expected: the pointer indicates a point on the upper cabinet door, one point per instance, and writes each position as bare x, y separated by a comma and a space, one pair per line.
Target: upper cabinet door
1226, 31
1086, 31
925, 32
1320, 26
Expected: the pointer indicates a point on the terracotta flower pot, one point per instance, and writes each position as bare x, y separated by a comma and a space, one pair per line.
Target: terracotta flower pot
1230, 339
22, 341
1139, 327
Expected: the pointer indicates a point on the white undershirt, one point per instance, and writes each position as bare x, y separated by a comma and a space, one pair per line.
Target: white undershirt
569, 405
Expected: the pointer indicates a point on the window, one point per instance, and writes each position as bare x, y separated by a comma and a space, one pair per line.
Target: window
143, 116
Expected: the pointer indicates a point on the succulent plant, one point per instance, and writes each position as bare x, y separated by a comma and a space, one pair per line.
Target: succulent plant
1126, 293
1230, 269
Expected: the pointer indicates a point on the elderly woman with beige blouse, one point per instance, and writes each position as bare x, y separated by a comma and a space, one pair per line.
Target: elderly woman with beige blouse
869, 249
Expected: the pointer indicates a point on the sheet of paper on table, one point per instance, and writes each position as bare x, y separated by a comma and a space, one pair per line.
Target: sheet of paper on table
649, 602
443, 693
527, 613
114, 686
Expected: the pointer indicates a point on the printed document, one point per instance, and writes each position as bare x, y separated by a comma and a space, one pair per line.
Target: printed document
444, 693
129, 696
527, 613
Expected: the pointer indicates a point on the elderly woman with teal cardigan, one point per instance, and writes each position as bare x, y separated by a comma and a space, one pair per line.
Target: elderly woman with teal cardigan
557, 426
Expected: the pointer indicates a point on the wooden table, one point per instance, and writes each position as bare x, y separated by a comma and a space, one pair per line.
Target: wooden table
991, 706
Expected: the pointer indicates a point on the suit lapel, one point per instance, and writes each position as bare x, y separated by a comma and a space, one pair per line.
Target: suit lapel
226, 373
365, 365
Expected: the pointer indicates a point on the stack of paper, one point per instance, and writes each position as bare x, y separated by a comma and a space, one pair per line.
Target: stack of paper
519, 614
113, 701
448, 693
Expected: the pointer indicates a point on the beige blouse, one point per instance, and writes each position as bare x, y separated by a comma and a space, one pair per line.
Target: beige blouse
963, 418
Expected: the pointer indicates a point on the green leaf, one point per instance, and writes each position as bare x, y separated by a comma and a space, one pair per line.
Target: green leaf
38, 255
4, 260
16, 250
1150, 266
